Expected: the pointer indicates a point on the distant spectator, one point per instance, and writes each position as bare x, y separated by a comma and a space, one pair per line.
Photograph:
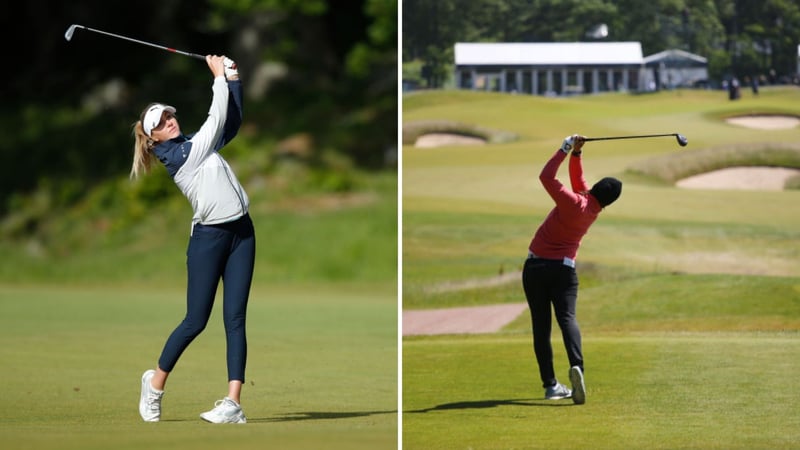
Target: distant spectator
733, 89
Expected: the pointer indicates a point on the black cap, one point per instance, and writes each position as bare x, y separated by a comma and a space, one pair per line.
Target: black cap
606, 191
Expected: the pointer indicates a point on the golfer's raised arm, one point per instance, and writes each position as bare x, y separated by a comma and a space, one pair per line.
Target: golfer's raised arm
557, 191
576, 178
234, 117
211, 130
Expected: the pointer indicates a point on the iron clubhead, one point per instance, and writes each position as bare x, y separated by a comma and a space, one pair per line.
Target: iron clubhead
70, 31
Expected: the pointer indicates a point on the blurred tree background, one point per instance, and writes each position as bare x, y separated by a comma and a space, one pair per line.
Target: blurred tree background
320, 81
739, 37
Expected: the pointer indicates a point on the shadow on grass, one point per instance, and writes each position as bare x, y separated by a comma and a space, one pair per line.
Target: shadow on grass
482, 404
301, 416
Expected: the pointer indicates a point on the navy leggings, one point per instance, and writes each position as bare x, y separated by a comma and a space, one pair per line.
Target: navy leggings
225, 251
550, 282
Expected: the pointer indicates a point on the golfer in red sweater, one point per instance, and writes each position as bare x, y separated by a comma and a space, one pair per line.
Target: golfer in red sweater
549, 274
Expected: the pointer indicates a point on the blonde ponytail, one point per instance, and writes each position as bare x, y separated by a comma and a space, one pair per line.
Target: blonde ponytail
142, 150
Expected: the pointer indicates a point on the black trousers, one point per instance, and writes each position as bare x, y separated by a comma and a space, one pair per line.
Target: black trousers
549, 282
225, 251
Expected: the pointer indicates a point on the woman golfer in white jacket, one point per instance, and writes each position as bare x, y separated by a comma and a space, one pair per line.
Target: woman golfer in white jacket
222, 242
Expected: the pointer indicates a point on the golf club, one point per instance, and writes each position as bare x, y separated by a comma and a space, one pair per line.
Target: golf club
71, 31
682, 141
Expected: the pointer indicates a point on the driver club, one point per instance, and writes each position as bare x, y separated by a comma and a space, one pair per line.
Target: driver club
682, 141
72, 28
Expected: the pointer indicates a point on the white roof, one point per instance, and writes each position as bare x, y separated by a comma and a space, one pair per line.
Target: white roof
675, 55
551, 53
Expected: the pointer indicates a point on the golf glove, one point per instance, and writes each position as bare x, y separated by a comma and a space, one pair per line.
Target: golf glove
231, 69
568, 144
572, 143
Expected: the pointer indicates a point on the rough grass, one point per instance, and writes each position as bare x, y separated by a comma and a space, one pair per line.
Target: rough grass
673, 167
350, 237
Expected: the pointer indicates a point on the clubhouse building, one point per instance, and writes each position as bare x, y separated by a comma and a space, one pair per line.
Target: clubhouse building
568, 68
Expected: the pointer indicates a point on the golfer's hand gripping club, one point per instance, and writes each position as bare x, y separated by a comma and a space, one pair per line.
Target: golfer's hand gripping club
216, 65
573, 143
231, 69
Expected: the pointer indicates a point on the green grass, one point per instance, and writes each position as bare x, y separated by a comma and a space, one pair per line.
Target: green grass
412, 131
88, 298
689, 301
685, 303
349, 237
659, 390
469, 212
322, 369
435, 254
671, 168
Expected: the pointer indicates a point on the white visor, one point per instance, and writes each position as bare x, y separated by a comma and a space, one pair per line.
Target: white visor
153, 116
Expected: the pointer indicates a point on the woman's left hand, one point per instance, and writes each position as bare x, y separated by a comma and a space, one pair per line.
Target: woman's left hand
216, 65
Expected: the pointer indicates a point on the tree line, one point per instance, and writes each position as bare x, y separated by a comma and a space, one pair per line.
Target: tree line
738, 37
318, 68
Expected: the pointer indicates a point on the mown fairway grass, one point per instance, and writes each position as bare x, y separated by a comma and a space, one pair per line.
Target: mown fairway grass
85, 309
690, 299
322, 369
652, 390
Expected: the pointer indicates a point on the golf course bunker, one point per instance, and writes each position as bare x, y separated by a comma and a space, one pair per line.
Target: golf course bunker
741, 178
431, 140
765, 121
464, 320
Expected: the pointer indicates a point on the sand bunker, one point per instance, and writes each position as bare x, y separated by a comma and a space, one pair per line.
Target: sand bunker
445, 139
465, 320
741, 178
765, 122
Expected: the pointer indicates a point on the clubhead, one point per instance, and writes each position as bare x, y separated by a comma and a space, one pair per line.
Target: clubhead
70, 31
682, 141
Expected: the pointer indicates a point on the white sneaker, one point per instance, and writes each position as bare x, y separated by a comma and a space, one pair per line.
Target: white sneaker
225, 411
557, 392
150, 400
578, 386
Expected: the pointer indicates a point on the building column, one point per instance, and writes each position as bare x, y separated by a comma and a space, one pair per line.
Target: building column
626, 80
563, 81
595, 81
518, 81
474, 79
579, 76
503, 80
534, 81
610, 80
549, 80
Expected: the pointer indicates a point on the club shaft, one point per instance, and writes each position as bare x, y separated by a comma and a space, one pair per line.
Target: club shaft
629, 137
169, 49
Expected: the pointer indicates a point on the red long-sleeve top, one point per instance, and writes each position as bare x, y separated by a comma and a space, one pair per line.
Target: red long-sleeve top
560, 234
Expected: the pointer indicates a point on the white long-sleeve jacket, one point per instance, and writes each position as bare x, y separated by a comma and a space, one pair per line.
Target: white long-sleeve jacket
199, 171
